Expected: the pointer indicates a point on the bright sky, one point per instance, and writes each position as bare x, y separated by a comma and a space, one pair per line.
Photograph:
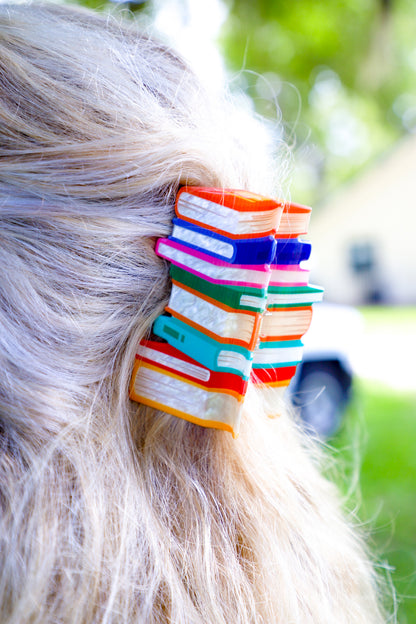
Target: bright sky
192, 26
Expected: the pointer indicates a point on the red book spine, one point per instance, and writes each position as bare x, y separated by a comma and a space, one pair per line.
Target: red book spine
216, 380
272, 375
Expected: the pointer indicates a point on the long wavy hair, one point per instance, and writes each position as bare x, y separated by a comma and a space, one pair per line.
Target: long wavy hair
113, 512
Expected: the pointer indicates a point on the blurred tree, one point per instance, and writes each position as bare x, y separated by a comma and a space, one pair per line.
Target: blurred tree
352, 63
340, 74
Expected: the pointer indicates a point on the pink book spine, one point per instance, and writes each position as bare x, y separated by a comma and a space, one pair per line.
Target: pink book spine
208, 258
263, 270
290, 275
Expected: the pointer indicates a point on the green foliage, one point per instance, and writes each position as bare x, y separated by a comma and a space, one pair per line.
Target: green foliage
340, 75
387, 421
294, 38
342, 72
379, 438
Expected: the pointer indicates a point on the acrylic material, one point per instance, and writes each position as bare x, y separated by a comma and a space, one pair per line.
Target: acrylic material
238, 214
203, 348
206, 266
236, 251
294, 221
274, 377
166, 357
272, 354
177, 396
291, 251
286, 323
237, 297
213, 318
288, 275
293, 295
239, 304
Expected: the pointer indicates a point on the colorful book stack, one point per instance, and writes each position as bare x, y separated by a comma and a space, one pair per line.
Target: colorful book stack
229, 274
289, 303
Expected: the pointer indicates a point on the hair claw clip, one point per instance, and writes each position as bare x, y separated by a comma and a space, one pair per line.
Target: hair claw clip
216, 356
236, 214
239, 304
257, 251
211, 268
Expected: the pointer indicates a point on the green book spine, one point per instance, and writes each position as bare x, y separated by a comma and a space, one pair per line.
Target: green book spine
295, 290
295, 296
236, 297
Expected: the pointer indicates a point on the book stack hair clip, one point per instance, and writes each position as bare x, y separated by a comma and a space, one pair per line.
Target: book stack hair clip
240, 302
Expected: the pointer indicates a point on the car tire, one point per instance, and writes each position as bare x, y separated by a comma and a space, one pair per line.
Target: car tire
321, 395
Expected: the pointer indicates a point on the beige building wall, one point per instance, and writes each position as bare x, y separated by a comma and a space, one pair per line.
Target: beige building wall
376, 210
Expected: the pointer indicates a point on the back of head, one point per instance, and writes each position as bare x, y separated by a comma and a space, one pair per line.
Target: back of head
114, 512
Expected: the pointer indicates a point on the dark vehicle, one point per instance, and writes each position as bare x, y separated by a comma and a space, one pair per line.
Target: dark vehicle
321, 387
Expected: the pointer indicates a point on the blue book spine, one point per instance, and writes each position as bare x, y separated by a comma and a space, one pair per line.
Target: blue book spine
251, 251
291, 251
202, 348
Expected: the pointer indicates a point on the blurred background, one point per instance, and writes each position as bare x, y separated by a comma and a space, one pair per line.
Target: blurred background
336, 81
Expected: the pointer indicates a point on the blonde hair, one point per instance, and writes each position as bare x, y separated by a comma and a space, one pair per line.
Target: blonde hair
113, 511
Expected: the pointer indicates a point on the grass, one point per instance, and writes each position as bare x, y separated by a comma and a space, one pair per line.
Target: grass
380, 429
398, 317
384, 422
